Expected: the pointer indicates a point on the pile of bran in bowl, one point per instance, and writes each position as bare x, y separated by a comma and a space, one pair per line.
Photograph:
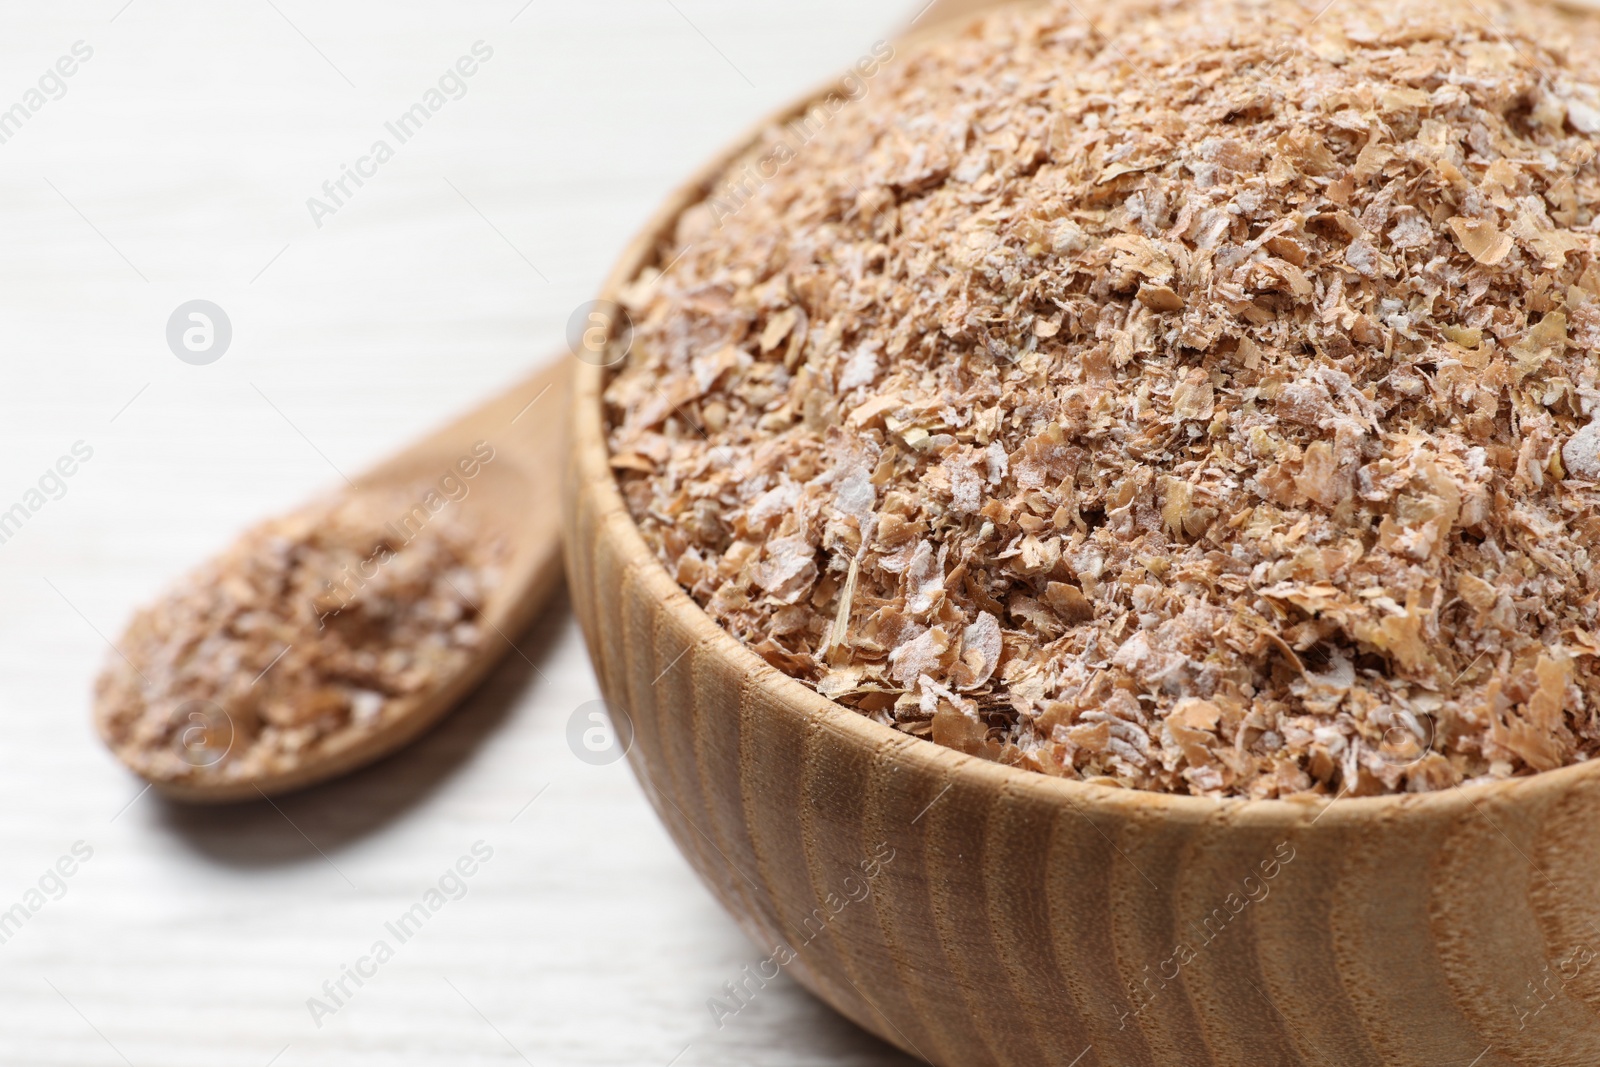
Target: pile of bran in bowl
1185, 401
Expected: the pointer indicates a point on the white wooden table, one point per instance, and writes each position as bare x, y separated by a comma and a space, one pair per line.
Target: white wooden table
175, 165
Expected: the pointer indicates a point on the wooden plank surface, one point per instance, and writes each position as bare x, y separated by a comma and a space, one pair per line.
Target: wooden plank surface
176, 165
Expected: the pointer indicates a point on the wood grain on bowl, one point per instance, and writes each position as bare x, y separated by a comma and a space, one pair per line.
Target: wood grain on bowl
975, 914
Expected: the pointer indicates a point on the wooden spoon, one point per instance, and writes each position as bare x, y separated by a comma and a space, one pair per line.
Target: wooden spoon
516, 499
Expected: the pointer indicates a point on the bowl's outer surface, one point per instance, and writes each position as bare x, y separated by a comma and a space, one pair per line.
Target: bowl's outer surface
976, 914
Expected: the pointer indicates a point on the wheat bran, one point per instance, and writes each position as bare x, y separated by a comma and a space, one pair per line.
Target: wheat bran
1198, 401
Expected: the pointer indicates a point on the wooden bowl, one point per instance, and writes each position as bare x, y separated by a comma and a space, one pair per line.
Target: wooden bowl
972, 913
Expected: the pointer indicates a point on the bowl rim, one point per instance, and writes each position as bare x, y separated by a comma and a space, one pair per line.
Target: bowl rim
590, 458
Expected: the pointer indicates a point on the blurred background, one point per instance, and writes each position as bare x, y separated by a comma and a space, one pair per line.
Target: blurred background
175, 163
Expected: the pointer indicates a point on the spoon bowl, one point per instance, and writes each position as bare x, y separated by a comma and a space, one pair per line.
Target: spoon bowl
513, 500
